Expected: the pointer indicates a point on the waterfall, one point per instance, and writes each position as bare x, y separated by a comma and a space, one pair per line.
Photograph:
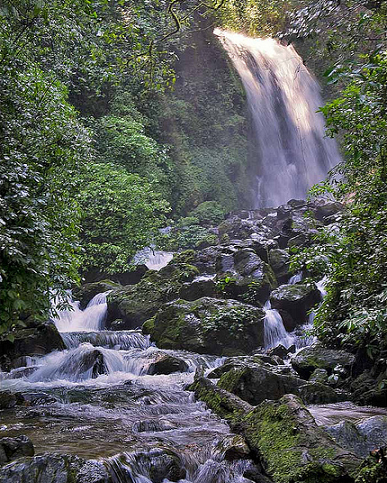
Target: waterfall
290, 152
77, 320
274, 330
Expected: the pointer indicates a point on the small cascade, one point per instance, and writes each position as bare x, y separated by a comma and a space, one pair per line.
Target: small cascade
290, 150
153, 259
122, 340
305, 339
77, 320
79, 364
297, 278
274, 330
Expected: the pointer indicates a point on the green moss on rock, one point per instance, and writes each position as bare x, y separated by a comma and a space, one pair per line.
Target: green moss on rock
208, 325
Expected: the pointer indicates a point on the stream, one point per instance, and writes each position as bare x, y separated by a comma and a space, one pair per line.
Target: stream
123, 410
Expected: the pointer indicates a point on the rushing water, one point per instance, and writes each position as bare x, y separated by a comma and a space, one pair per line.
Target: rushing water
291, 152
100, 398
274, 330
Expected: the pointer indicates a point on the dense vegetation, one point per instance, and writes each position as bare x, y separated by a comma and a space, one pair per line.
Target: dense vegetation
97, 151
354, 255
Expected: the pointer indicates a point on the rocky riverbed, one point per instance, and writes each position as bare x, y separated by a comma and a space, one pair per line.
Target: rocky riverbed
201, 371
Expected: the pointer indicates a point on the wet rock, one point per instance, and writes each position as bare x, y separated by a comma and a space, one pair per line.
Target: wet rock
319, 357
93, 361
167, 364
319, 375
197, 289
207, 326
222, 402
48, 468
34, 398
85, 293
362, 437
279, 262
35, 341
161, 465
136, 304
279, 351
151, 425
254, 383
292, 447
13, 448
296, 300
233, 448
8, 400
93, 472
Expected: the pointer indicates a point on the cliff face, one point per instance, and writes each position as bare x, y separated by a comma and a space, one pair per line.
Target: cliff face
205, 120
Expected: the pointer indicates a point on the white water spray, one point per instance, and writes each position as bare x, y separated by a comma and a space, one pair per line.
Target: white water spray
90, 319
291, 151
274, 330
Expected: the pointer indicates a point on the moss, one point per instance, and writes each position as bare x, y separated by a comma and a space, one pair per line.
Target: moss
187, 256
229, 380
290, 451
148, 326
222, 403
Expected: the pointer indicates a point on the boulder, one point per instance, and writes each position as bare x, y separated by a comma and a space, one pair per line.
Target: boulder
55, 468
134, 304
255, 381
362, 437
13, 448
167, 364
284, 436
292, 447
319, 357
279, 262
198, 288
222, 402
36, 341
207, 326
325, 211
296, 300
85, 293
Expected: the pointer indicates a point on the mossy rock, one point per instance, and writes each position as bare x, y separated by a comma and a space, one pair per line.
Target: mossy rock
374, 468
208, 326
296, 300
279, 261
293, 448
319, 357
52, 468
134, 304
283, 436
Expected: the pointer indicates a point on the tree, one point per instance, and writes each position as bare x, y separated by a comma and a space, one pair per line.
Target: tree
121, 213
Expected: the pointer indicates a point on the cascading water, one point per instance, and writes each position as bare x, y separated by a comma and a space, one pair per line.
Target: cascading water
274, 330
92, 318
103, 397
290, 150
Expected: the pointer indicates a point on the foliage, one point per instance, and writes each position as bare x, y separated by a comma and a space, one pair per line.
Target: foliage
43, 143
209, 213
354, 253
255, 17
121, 213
